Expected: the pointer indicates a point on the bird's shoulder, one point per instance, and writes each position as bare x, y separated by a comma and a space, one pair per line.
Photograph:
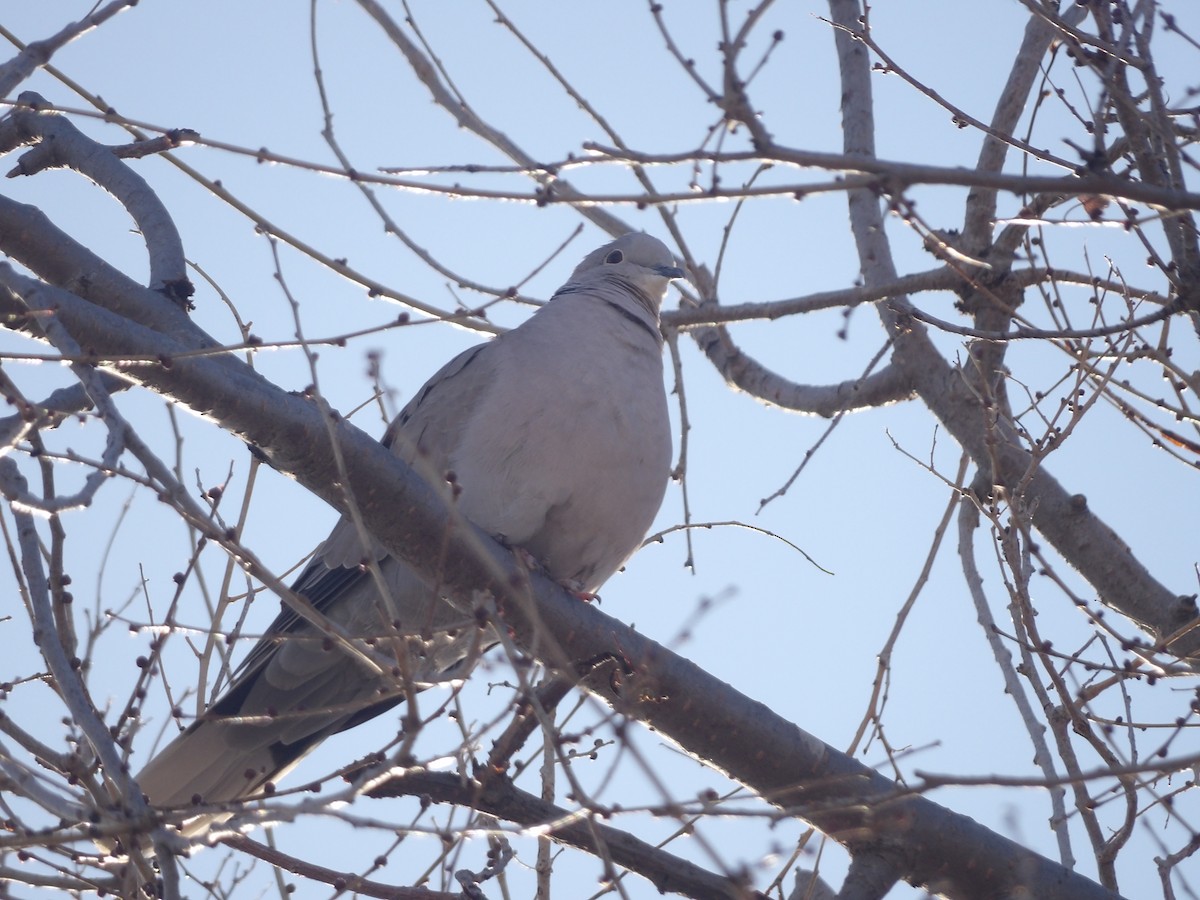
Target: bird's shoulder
431, 423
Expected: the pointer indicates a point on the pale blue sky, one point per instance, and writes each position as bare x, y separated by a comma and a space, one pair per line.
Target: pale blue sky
784, 633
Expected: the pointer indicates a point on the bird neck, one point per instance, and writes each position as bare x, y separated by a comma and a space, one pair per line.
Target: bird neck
625, 298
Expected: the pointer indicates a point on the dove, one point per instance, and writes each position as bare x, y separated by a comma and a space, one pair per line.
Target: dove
558, 438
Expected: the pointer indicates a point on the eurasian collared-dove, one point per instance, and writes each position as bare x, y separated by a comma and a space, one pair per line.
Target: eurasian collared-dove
558, 435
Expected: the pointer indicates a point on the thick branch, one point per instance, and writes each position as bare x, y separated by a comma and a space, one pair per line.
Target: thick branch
60, 144
747, 374
981, 201
28, 236
1080, 537
792, 769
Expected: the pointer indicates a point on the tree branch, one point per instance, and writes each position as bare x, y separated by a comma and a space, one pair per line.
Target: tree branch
1079, 536
498, 796
417, 523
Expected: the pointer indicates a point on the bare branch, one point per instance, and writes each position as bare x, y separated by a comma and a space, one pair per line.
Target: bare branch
59, 143
37, 53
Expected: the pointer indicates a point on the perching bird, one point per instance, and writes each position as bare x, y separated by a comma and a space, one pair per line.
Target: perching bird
558, 435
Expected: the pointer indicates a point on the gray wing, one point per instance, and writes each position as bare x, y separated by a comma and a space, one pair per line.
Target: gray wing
296, 687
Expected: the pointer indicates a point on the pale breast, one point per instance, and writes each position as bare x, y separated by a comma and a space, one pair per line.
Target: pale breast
581, 497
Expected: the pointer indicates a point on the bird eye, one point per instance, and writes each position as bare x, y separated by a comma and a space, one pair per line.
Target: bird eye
615, 257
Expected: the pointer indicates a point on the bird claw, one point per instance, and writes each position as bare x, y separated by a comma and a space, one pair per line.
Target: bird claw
533, 564
576, 588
